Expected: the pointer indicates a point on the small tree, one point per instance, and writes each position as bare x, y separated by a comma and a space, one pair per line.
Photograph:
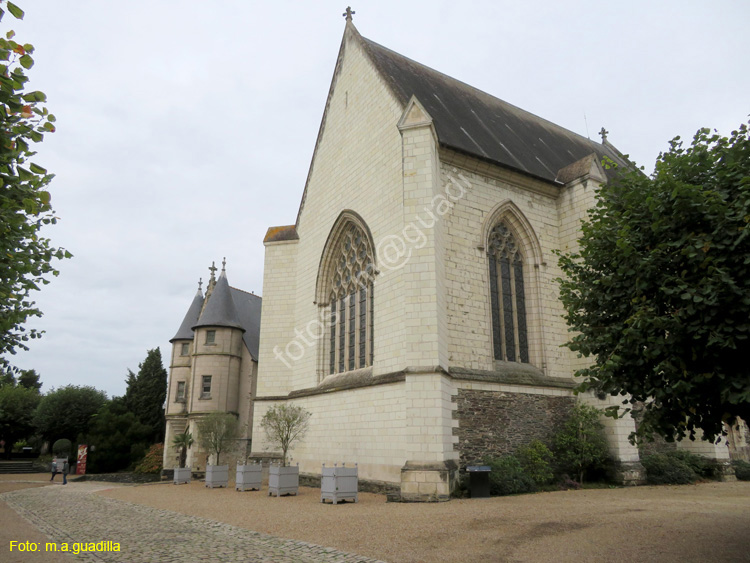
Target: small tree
580, 445
285, 424
218, 433
182, 442
62, 447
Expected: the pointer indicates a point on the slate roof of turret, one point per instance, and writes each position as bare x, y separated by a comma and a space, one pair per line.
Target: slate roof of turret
185, 332
248, 308
220, 309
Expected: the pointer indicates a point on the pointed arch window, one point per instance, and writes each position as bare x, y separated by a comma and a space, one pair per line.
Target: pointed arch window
507, 295
350, 298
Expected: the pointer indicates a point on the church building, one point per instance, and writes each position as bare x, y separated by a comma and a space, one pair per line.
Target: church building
412, 307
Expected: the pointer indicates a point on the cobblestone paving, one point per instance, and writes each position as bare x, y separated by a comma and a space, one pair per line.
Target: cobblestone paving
148, 535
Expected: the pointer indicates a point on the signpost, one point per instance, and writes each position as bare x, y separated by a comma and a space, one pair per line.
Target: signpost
82, 454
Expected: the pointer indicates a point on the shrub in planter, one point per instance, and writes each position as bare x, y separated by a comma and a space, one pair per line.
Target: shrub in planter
662, 469
536, 460
507, 477
741, 469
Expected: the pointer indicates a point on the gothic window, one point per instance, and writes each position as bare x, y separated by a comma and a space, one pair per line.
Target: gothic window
509, 333
350, 334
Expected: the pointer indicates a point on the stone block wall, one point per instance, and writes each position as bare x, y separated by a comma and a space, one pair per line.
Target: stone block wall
495, 423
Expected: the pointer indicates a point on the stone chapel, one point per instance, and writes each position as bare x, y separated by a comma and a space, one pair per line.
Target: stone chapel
411, 307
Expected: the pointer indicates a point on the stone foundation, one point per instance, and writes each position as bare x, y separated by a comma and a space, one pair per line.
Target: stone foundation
429, 482
628, 473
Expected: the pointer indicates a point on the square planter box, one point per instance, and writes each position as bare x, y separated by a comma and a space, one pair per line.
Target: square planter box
217, 476
338, 483
182, 475
248, 477
283, 480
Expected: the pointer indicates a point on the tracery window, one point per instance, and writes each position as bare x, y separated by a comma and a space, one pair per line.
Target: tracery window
350, 339
509, 332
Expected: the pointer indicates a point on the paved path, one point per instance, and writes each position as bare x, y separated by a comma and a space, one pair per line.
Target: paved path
72, 514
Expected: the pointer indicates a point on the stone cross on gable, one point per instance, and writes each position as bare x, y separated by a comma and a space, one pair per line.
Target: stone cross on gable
603, 133
213, 269
348, 14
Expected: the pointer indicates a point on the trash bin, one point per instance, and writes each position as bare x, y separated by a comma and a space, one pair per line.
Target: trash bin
479, 480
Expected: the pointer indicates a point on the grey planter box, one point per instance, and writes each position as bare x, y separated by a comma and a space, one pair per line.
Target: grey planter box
248, 477
182, 475
283, 480
338, 483
217, 476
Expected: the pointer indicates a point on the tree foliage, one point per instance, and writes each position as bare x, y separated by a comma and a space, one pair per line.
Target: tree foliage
183, 442
580, 445
285, 424
146, 392
659, 292
66, 412
25, 256
218, 432
17, 406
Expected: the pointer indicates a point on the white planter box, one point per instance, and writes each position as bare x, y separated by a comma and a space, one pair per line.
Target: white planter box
338, 483
283, 480
217, 476
182, 475
248, 477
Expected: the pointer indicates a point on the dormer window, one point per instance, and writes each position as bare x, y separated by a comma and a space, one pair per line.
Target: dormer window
210, 337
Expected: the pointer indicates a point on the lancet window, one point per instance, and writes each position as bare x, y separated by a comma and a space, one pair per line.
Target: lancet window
351, 298
509, 332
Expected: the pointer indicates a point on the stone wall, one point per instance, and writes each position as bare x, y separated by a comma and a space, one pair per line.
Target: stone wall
494, 423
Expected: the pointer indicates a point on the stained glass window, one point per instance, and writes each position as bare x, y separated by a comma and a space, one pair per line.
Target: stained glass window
507, 299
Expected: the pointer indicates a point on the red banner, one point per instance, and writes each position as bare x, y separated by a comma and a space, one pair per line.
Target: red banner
82, 454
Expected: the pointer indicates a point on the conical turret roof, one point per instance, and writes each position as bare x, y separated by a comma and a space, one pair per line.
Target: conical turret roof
220, 309
185, 332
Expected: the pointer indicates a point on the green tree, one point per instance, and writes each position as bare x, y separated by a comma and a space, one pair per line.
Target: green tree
25, 256
580, 445
218, 433
17, 406
117, 439
66, 412
285, 424
183, 442
146, 393
659, 292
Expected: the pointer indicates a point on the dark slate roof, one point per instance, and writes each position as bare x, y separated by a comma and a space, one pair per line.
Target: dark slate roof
248, 308
220, 310
185, 332
473, 122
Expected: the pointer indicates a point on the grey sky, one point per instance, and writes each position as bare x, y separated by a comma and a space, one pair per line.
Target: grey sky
186, 128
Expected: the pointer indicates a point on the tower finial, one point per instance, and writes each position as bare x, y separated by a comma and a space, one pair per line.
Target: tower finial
224, 265
604, 134
200, 285
349, 13
213, 269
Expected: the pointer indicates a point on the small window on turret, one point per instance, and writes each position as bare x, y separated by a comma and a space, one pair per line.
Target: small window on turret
185, 350
206, 387
210, 337
180, 398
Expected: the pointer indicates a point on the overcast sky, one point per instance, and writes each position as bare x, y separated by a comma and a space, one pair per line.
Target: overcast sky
185, 129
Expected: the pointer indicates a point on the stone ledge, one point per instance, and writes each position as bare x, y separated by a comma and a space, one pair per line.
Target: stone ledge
512, 373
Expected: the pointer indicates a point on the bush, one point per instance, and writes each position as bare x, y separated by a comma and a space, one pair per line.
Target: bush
580, 446
507, 477
663, 469
62, 447
152, 461
700, 465
741, 469
535, 459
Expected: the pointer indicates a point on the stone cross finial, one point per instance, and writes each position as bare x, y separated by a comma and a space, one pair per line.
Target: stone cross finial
603, 133
213, 269
200, 284
348, 14
224, 265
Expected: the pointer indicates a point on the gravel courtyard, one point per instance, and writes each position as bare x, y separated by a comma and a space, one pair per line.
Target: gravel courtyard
705, 522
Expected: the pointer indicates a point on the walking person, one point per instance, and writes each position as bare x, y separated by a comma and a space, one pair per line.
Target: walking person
54, 469
65, 470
